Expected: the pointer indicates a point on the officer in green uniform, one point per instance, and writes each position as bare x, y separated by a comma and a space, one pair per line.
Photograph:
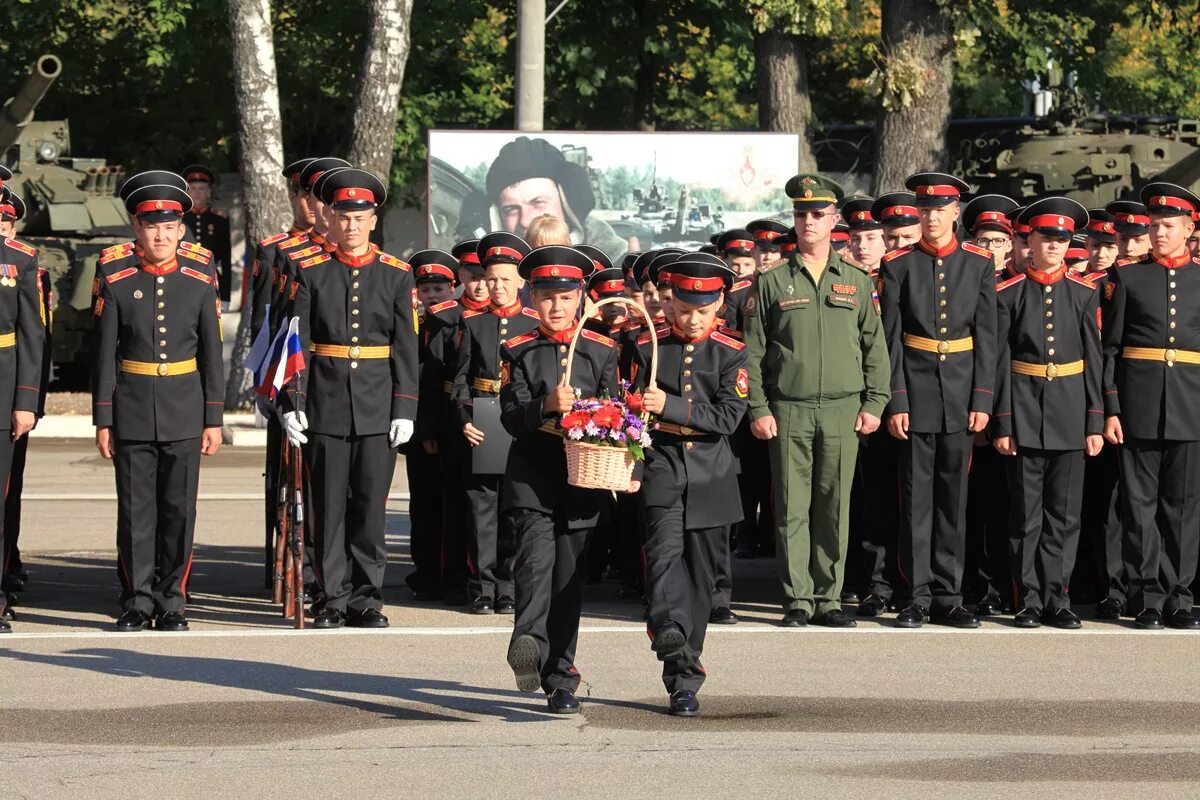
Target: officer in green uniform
819, 375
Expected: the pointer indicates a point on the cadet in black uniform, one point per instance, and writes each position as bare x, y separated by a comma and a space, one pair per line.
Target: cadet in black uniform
1132, 223
477, 383
1152, 379
552, 519
766, 232
157, 401
357, 397
939, 315
687, 486
209, 225
897, 212
1049, 410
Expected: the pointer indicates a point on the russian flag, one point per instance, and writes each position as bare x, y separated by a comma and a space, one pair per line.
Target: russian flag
256, 358
264, 376
286, 361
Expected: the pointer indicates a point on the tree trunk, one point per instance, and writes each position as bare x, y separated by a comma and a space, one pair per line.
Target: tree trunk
917, 70
645, 79
261, 146
374, 139
781, 75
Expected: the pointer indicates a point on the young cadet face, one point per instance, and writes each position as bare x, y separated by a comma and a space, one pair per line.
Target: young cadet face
666, 301
474, 284
430, 293
200, 192
896, 238
634, 294
302, 210
354, 228
937, 223
650, 299
763, 257
694, 320
1193, 244
743, 265
1047, 252
557, 308
867, 247
8, 227
320, 221
158, 240
1169, 234
1101, 255
1133, 246
997, 242
613, 314
503, 283
524, 200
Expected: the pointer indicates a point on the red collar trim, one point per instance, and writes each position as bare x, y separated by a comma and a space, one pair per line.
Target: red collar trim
1046, 278
930, 248
199, 209
561, 337
1172, 262
356, 261
472, 305
684, 337
165, 268
507, 311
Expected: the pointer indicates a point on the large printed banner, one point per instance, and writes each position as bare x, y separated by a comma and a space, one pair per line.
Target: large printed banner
621, 192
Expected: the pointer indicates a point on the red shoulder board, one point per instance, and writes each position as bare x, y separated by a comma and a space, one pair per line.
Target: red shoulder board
113, 255
897, 253
116, 247
306, 252
443, 306
1124, 262
220, 213
20, 247
733, 332
192, 256
392, 261
645, 338
474, 313
312, 262
728, 341
1075, 276
971, 247
597, 337
529, 312
634, 324
517, 341
197, 274
295, 241
1010, 282
737, 287
196, 250
122, 275
270, 240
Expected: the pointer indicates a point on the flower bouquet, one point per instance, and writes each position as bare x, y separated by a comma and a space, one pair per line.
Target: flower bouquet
604, 438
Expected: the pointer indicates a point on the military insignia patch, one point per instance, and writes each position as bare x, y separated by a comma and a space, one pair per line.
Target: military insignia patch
742, 384
1110, 289
505, 373
99, 306
845, 288
750, 308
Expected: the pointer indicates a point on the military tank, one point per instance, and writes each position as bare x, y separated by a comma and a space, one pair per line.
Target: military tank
72, 211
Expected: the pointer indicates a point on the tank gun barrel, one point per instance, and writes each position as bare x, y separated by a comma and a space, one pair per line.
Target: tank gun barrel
19, 109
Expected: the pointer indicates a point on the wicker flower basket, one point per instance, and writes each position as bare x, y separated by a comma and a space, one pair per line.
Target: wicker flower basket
595, 466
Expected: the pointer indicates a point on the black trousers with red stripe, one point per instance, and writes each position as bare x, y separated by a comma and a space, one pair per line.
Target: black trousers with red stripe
157, 484
10, 526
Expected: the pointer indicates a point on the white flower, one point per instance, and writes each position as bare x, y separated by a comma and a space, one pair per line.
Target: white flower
592, 430
575, 433
645, 441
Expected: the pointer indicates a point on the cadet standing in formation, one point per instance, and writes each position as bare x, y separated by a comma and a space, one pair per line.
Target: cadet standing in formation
209, 226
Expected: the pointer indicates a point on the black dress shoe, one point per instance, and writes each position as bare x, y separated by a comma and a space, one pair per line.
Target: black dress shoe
329, 618
12, 583
669, 639
505, 605
8, 614
1109, 608
1182, 620
133, 620
911, 617
684, 704
1064, 619
562, 701
796, 618
371, 618
873, 606
849, 596
989, 607
4, 626
523, 659
171, 622
1149, 620
722, 616
1028, 618
957, 617
482, 605
835, 618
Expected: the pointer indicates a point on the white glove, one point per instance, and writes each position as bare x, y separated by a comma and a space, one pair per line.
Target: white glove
400, 432
294, 425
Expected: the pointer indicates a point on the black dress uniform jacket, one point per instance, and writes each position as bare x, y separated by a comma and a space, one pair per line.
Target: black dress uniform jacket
441, 332
288, 256
943, 295
706, 383
484, 333
158, 314
364, 301
536, 477
1052, 323
264, 277
20, 314
735, 302
211, 230
1153, 304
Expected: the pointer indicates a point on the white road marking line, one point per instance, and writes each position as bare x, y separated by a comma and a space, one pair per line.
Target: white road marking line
258, 496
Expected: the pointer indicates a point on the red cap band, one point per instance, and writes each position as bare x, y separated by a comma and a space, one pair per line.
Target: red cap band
198, 176
992, 218
315, 176
739, 244
839, 236
689, 284
863, 216
788, 247
355, 194
441, 270
1077, 254
1166, 201
552, 270
505, 251
1099, 226
1133, 219
295, 178
938, 190
158, 205
469, 258
1052, 221
900, 211
767, 234
7, 209
609, 287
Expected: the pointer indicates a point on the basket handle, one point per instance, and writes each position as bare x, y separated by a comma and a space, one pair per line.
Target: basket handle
589, 309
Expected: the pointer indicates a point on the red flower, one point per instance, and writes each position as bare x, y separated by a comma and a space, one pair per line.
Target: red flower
634, 401
607, 416
576, 419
